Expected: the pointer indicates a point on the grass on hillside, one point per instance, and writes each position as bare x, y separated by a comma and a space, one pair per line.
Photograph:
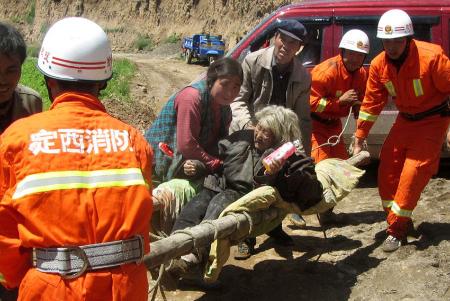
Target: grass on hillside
118, 86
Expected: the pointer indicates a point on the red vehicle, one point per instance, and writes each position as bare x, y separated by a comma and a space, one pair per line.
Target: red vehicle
326, 22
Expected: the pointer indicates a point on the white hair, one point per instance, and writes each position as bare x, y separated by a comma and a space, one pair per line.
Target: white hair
281, 121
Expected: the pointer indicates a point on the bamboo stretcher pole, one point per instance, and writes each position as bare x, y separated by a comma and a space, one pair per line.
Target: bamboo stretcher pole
236, 227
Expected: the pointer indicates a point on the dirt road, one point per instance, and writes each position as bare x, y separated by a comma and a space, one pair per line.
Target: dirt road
157, 78
349, 264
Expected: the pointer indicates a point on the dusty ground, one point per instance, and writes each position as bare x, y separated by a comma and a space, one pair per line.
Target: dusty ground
349, 264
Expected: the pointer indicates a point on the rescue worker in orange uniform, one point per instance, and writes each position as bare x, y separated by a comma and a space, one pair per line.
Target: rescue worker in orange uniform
338, 84
416, 75
74, 183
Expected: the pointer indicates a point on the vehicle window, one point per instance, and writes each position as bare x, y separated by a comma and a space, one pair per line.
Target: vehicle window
311, 53
421, 32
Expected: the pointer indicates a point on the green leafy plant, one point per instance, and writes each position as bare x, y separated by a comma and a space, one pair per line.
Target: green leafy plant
173, 38
144, 42
31, 77
119, 86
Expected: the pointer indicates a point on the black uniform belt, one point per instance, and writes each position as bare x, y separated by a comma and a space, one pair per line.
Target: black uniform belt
327, 121
443, 109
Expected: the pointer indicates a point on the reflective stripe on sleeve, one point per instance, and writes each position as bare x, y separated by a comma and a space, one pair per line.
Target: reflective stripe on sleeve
399, 211
2, 278
387, 203
418, 90
61, 180
322, 104
390, 88
367, 116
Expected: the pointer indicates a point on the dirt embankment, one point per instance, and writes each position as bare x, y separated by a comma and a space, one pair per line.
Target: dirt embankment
154, 20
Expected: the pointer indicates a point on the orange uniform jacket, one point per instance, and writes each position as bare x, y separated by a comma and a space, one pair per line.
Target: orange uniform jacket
330, 80
43, 204
422, 83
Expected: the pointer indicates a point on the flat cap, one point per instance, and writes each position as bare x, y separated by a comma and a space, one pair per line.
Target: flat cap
292, 28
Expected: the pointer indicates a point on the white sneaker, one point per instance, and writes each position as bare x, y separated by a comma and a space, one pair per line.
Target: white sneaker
391, 244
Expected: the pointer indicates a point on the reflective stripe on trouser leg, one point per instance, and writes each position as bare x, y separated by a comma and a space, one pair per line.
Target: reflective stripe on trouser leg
387, 204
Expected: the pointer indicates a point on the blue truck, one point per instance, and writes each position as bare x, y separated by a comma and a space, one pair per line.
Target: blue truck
203, 47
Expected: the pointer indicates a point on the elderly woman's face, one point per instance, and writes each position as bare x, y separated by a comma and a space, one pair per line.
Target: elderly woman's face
225, 89
263, 138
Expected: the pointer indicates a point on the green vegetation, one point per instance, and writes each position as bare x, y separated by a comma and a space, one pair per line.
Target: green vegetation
29, 18
173, 38
44, 28
118, 86
32, 78
16, 19
33, 50
114, 29
144, 42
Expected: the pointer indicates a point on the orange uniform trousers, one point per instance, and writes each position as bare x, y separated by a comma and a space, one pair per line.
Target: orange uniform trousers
119, 284
320, 135
408, 159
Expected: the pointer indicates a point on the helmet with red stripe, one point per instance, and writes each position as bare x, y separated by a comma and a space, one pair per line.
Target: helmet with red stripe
394, 23
76, 49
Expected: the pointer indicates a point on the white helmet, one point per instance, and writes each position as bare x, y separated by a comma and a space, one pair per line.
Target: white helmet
355, 40
394, 23
76, 49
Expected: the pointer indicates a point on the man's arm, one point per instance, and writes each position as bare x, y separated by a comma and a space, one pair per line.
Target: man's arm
303, 110
375, 98
242, 112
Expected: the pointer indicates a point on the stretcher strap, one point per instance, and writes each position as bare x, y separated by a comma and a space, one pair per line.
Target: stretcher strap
73, 260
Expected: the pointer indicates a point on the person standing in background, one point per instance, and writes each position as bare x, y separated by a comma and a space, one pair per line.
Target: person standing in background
275, 76
338, 84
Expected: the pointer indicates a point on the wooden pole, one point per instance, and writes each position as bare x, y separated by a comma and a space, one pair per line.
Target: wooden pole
235, 227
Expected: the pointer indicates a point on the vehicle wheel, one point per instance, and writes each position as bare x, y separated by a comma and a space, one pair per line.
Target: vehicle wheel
211, 59
188, 56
